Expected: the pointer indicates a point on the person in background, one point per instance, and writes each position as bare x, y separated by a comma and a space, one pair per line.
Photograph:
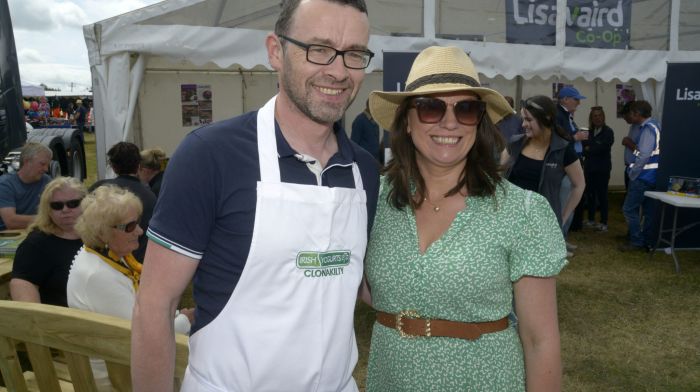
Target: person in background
269, 212
597, 153
125, 158
629, 141
20, 191
56, 112
80, 116
642, 175
453, 243
512, 124
105, 276
43, 259
365, 132
152, 167
569, 100
540, 159
44, 110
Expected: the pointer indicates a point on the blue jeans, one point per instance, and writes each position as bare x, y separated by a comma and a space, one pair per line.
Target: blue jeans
639, 230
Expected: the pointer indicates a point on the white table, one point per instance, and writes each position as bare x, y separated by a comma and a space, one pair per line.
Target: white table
677, 202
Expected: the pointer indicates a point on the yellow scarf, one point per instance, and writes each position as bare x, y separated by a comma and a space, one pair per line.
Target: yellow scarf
131, 270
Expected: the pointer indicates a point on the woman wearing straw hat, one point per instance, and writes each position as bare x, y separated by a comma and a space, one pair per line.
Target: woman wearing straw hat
452, 242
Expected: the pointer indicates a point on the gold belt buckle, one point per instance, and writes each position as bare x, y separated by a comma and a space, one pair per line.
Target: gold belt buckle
413, 315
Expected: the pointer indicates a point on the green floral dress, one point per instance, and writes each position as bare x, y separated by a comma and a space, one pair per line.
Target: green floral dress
466, 275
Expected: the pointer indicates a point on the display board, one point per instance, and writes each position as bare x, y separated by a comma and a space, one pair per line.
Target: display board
680, 139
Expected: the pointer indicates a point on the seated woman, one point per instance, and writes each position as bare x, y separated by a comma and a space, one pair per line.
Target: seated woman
43, 259
151, 170
105, 276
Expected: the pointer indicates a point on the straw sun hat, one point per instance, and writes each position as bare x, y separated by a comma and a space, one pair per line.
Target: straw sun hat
438, 70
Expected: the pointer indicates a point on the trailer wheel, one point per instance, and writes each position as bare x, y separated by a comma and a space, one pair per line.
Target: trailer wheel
76, 161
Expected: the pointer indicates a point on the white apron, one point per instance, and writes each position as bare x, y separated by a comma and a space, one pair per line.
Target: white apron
288, 326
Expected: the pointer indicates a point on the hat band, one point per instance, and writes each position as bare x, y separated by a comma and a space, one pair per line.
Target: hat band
442, 78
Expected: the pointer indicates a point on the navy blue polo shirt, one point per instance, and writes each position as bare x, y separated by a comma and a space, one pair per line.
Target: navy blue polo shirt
206, 206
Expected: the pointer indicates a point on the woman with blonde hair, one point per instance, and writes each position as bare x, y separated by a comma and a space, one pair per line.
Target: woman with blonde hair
153, 163
105, 275
43, 259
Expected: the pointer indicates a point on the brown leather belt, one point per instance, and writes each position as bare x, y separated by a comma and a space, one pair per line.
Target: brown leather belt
409, 324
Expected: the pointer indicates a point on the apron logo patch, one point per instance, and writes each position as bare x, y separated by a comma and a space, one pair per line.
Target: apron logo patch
322, 264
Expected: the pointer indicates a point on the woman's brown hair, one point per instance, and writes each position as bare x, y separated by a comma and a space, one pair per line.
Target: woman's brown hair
480, 175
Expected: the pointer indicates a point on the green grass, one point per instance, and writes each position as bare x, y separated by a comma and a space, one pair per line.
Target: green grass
627, 323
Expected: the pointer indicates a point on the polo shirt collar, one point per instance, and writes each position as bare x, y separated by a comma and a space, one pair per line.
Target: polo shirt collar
345, 154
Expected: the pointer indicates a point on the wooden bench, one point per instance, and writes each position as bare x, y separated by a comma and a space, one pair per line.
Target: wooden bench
54, 335
5, 276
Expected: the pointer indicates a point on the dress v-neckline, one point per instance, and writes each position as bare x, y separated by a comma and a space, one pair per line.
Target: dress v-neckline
445, 234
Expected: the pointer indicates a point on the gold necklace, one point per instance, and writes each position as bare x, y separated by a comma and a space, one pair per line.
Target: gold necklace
436, 208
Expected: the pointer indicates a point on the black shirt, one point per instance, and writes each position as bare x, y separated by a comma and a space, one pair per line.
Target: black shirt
45, 260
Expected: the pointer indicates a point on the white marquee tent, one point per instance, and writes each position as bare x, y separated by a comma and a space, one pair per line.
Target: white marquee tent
216, 40
30, 90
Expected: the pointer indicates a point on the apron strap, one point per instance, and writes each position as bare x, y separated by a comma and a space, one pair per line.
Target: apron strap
358, 177
267, 144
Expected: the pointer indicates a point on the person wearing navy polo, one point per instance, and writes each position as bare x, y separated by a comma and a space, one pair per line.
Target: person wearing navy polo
569, 99
269, 212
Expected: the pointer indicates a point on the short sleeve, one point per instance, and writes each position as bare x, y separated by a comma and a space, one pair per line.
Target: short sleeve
539, 249
570, 155
7, 193
185, 212
28, 263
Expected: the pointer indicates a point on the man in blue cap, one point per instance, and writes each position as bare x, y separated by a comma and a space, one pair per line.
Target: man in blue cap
569, 100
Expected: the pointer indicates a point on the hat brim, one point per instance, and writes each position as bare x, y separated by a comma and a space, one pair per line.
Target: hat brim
383, 104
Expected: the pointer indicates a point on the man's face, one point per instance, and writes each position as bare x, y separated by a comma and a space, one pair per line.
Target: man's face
570, 104
35, 167
628, 117
322, 92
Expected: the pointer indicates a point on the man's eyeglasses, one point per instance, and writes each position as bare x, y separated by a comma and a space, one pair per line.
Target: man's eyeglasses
432, 110
127, 227
58, 205
324, 55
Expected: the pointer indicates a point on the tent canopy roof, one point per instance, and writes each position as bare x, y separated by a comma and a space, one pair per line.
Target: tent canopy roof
228, 32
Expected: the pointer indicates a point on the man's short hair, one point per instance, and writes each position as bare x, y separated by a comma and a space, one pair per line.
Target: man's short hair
124, 158
643, 108
290, 6
31, 150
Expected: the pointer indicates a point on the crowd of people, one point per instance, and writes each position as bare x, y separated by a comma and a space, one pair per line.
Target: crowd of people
457, 244
41, 112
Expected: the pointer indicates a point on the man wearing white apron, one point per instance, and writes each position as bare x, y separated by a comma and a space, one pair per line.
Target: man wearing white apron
269, 212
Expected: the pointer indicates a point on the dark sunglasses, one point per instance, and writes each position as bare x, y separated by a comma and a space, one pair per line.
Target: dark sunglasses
58, 205
432, 110
127, 227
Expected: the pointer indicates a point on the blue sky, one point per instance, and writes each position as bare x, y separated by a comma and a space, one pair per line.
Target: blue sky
49, 38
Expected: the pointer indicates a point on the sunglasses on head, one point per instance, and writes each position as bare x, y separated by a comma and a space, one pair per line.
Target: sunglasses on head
432, 110
58, 205
127, 227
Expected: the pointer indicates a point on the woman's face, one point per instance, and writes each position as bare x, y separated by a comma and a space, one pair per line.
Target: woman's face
65, 217
597, 118
447, 142
122, 242
530, 124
